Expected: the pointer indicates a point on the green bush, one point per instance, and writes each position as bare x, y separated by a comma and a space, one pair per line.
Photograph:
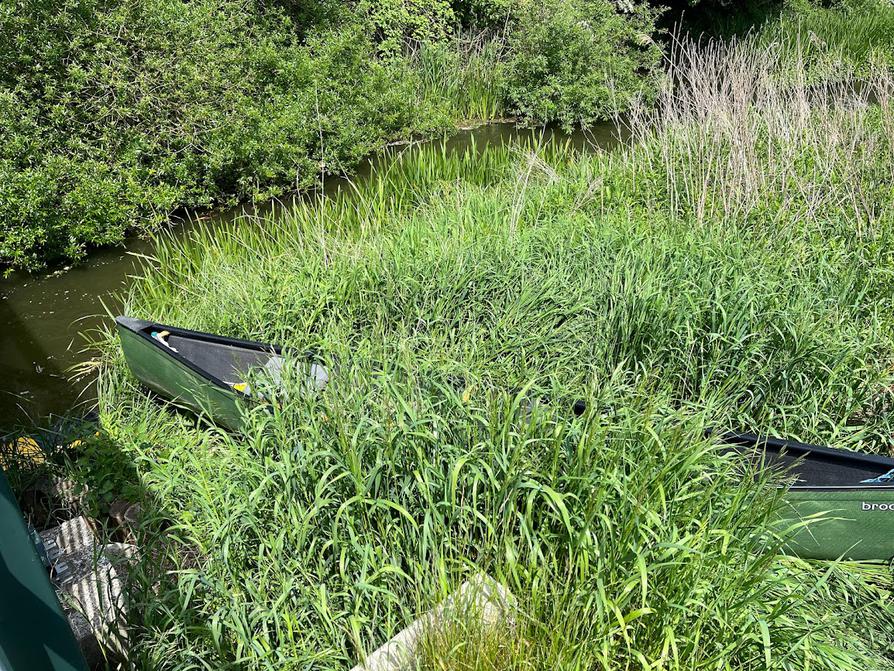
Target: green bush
113, 114
576, 62
475, 15
397, 21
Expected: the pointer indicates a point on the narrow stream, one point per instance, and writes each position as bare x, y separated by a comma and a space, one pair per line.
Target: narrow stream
42, 318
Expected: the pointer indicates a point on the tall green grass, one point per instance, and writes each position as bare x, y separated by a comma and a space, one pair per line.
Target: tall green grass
825, 40
730, 268
467, 73
625, 535
847, 40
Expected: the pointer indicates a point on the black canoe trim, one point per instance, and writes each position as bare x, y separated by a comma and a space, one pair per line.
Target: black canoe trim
141, 328
797, 449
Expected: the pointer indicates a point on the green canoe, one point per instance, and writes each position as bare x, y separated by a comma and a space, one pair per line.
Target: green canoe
849, 492
34, 632
206, 373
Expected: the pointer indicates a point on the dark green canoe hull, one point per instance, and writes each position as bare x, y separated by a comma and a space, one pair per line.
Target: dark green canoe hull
176, 381
856, 524
34, 632
830, 509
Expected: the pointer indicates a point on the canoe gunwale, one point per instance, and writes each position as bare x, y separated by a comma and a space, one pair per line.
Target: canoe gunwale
138, 328
794, 447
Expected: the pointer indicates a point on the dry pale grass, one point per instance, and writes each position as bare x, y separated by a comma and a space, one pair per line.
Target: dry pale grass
736, 124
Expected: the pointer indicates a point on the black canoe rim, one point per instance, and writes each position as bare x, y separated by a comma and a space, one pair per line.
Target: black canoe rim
795, 448
140, 328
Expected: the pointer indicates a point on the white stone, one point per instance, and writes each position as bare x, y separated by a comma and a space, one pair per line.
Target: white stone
88, 584
482, 596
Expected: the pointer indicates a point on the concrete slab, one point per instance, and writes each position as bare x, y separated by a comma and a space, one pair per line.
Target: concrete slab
482, 595
88, 583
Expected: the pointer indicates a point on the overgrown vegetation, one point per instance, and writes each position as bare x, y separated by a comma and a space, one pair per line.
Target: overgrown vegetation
568, 63
729, 268
850, 38
829, 40
115, 114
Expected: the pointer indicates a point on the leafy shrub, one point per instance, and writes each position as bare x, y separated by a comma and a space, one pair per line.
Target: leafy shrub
113, 114
399, 20
575, 62
484, 14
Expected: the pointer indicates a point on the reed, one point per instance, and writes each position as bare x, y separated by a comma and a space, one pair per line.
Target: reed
729, 268
467, 74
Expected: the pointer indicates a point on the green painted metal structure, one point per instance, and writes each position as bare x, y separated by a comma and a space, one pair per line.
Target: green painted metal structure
34, 632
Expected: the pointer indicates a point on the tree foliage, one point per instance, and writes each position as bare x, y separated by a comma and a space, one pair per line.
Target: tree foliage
113, 113
396, 21
576, 62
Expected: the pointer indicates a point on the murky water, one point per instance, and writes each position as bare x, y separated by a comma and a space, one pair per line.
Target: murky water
43, 320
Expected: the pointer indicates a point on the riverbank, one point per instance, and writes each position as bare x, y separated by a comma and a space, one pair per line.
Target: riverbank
730, 268
139, 111
47, 321
42, 316
114, 115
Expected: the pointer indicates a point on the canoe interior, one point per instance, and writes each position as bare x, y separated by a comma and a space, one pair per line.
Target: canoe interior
812, 466
227, 362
